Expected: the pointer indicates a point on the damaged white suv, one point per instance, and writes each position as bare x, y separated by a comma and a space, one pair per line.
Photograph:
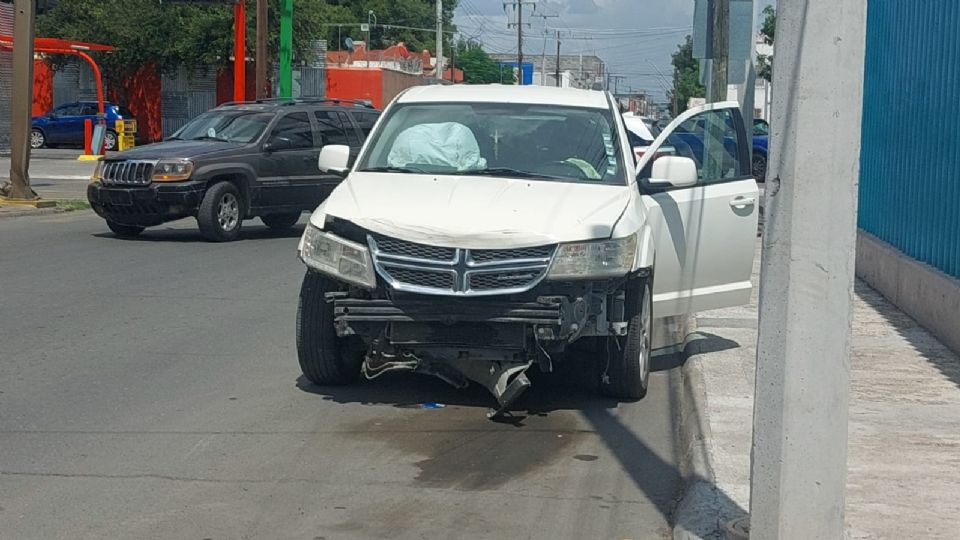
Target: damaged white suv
484, 229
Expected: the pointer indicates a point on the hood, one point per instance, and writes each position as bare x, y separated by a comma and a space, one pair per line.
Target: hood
476, 212
175, 149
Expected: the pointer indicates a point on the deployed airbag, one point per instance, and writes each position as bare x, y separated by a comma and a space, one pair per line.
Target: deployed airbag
448, 144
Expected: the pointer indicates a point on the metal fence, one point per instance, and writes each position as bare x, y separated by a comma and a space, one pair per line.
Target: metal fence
910, 160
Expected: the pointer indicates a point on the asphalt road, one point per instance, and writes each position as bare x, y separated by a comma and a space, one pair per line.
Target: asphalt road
149, 388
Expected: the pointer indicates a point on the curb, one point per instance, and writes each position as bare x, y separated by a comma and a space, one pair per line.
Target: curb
699, 512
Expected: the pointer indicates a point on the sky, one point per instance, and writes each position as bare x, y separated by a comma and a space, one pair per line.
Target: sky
635, 38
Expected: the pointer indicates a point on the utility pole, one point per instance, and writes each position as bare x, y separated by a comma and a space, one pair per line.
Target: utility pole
518, 7
543, 56
285, 84
676, 88
439, 68
799, 453
721, 51
261, 53
21, 100
558, 59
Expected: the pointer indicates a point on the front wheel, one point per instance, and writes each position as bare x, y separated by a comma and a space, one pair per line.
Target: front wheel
37, 139
124, 231
325, 358
627, 357
281, 221
759, 166
221, 214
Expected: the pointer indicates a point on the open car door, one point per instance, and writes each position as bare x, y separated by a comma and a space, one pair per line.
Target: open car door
705, 230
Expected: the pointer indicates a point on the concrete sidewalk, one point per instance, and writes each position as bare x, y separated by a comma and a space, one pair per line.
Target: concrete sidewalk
904, 424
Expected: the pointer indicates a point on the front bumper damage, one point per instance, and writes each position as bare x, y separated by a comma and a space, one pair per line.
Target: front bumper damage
492, 343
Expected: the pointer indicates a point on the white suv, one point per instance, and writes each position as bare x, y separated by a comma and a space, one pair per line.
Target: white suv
483, 229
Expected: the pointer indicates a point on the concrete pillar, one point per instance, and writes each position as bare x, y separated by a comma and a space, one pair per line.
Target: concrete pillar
799, 453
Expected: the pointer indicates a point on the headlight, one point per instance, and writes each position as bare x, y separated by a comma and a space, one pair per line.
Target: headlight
97, 173
607, 258
172, 170
337, 257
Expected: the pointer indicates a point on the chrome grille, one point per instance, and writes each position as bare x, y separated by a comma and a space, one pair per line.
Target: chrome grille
412, 250
419, 268
127, 173
483, 256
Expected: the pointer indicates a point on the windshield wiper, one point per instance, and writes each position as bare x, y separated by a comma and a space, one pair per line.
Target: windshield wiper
413, 170
208, 138
505, 171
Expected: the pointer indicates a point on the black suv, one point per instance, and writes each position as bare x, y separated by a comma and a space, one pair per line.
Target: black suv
235, 162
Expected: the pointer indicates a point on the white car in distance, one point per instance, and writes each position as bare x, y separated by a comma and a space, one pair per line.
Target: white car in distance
484, 229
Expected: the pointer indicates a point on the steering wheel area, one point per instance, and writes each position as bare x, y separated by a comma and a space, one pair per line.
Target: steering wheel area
563, 169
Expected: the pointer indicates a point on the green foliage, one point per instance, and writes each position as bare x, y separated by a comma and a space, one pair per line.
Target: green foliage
687, 74
479, 68
768, 31
769, 27
170, 34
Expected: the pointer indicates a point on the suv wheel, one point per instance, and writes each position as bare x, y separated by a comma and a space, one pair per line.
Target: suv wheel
281, 221
325, 359
37, 138
124, 231
628, 357
221, 213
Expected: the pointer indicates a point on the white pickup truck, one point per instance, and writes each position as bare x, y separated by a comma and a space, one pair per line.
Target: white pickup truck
483, 229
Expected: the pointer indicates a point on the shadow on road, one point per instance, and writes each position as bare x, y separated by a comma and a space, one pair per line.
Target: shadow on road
571, 387
249, 232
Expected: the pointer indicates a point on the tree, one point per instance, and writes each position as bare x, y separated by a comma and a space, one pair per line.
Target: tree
172, 33
479, 68
686, 74
767, 31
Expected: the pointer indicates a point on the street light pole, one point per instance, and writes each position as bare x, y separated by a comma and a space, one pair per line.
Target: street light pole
261, 53
799, 454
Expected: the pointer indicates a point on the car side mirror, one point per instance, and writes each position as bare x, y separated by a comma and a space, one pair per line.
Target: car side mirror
676, 171
278, 143
334, 159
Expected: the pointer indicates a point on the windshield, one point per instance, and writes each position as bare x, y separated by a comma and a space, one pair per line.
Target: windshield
545, 142
229, 126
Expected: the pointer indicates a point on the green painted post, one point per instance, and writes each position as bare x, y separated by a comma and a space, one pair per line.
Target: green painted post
286, 49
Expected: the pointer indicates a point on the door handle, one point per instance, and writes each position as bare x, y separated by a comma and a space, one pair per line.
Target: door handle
741, 202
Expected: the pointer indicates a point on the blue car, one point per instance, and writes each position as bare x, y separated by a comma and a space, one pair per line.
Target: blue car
761, 135
64, 124
687, 140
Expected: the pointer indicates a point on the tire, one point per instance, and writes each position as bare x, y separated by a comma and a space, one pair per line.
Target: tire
125, 231
221, 213
628, 357
281, 221
37, 139
325, 359
110, 140
759, 167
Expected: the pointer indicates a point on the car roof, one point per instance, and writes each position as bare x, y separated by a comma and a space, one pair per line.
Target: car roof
274, 104
638, 127
499, 93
